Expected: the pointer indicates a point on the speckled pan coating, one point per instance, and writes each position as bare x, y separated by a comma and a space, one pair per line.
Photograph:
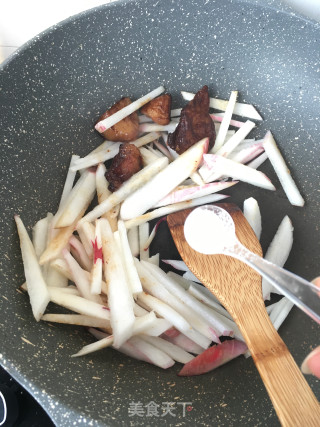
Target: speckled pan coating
51, 93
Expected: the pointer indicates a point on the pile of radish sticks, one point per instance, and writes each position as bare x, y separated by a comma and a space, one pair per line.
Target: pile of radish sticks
87, 262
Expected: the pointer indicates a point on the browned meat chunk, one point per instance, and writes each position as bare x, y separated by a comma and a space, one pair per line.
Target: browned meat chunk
158, 109
126, 163
127, 129
195, 124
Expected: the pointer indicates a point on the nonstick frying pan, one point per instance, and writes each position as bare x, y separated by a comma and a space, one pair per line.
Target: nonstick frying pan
53, 90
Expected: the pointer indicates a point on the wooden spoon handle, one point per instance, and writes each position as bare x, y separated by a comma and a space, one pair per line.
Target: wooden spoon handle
293, 400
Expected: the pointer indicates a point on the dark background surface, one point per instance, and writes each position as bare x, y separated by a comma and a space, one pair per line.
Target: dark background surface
51, 94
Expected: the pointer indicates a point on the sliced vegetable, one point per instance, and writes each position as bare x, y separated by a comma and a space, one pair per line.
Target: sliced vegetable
252, 214
225, 123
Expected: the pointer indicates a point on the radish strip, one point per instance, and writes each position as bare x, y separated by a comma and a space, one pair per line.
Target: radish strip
119, 295
234, 141
153, 354
78, 251
166, 210
39, 235
245, 110
196, 178
126, 111
154, 127
163, 150
252, 214
136, 181
75, 319
143, 238
130, 268
172, 350
219, 117
133, 238
282, 171
183, 342
143, 323
78, 304
220, 166
278, 251
247, 154
155, 259
165, 181
223, 129
87, 235
178, 265
95, 346
37, 288
69, 181
147, 156
175, 112
153, 233
192, 192
258, 161
96, 271
145, 119
190, 276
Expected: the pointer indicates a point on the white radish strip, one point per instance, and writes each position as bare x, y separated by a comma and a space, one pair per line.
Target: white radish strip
193, 191
247, 154
184, 342
153, 354
78, 200
78, 251
146, 139
220, 166
144, 119
96, 271
282, 170
79, 278
105, 124
286, 306
130, 268
78, 304
240, 109
37, 288
136, 181
155, 259
54, 278
119, 295
278, 251
133, 238
101, 183
196, 178
153, 233
143, 323
254, 164
143, 239
138, 310
154, 151
200, 309
173, 153
153, 286
234, 141
75, 319
71, 290
97, 333
147, 156
166, 210
176, 112
158, 328
219, 118
86, 233
164, 182
178, 265
95, 346
184, 283
69, 181
163, 150
172, 350
251, 211
190, 276
223, 129
154, 127
39, 235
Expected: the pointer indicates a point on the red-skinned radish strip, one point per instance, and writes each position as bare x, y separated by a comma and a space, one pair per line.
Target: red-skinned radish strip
78, 304
76, 319
254, 164
156, 289
129, 265
223, 129
219, 117
119, 295
193, 192
153, 233
37, 288
245, 110
96, 271
78, 200
86, 233
136, 181
79, 253
172, 332
153, 354
80, 278
143, 238
177, 264
282, 170
95, 346
203, 312
166, 210
105, 124
278, 251
234, 141
155, 259
163, 150
154, 127
133, 238
214, 357
164, 182
183, 342
247, 154
220, 166
172, 350
39, 235
251, 211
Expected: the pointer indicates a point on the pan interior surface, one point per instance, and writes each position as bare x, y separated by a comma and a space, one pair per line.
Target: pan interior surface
52, 92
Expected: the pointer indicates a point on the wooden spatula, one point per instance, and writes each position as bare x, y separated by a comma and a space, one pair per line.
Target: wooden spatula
238, 288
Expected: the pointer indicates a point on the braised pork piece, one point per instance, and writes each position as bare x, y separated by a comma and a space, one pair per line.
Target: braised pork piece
158, 109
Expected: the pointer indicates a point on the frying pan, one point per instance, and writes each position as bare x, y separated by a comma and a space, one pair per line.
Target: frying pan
53, 90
